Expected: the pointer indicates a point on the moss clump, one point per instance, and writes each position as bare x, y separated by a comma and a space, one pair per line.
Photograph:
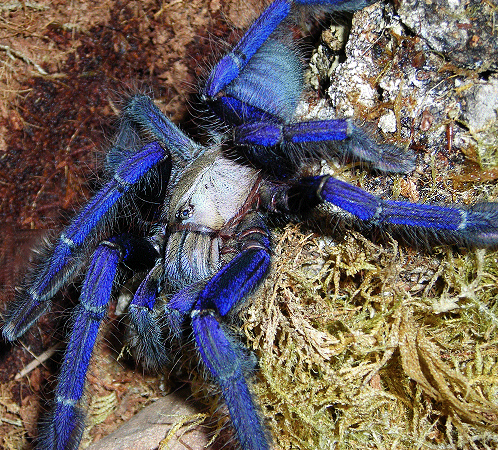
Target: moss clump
368, 346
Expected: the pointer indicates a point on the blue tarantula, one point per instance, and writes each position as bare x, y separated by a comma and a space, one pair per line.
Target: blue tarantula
202, 244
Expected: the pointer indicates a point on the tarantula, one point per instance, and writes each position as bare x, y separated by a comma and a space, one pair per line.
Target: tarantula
202, 245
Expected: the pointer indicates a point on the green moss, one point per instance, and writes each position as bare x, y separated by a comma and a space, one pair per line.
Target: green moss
371, 346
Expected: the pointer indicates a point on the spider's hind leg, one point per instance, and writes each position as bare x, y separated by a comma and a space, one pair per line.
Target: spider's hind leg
64, 426
474, 225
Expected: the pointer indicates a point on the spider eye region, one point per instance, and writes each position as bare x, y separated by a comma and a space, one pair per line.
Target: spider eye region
185, 212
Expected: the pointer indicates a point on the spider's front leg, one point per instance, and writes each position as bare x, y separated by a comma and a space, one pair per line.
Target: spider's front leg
66, 256
224, 357
256, 89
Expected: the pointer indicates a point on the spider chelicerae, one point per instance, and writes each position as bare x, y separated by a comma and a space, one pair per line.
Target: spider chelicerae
201, 243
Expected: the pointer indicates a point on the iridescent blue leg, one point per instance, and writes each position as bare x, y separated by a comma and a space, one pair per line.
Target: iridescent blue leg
225, 359
475, 225
178, 309
258, 94
228, 363
205, 303
65, 257
231, 66
65, 424
293, 141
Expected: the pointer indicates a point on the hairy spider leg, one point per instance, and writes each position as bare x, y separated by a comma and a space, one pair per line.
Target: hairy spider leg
141, 112
232, 64
260, 94
269, 134
206, 303
177, 310
227, 363
148, 342
222, 355
291, 141
65, 424
64, 259
261, 78
261, 103
475, 225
